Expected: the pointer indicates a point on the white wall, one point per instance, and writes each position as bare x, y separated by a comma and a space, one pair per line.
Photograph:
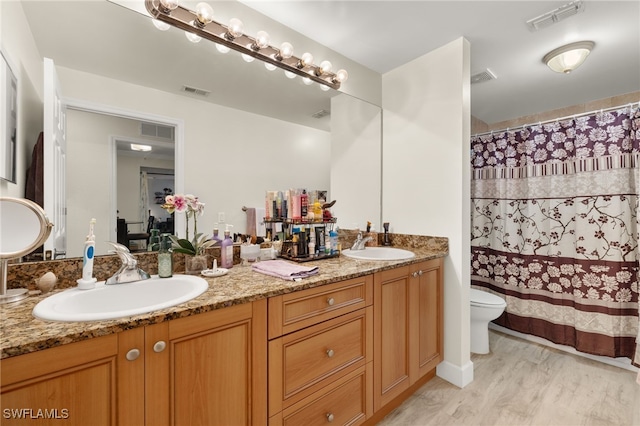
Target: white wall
426, 130
20, 50
356, 166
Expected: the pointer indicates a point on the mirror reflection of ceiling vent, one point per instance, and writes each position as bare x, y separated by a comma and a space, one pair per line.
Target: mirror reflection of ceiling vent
157, 131
485, 75
555, 15
195, 91
321, 113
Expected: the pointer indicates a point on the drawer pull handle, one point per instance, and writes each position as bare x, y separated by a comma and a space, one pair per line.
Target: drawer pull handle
159, 346
329, 417
330, 301
133, 354
330, 353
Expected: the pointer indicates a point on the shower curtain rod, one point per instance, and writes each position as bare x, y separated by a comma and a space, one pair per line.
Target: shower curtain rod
557, 119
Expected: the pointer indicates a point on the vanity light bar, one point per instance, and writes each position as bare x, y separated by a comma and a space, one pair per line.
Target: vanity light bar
187, 20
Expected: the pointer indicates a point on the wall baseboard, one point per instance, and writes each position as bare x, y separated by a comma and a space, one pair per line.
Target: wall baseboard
459, 376
620, 362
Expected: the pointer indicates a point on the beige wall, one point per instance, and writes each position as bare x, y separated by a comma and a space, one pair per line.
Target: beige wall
479, 126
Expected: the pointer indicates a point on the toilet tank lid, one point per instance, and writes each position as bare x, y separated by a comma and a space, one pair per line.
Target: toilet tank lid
484, 298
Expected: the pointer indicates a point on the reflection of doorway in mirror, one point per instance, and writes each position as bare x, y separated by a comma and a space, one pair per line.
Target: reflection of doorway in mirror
160, 183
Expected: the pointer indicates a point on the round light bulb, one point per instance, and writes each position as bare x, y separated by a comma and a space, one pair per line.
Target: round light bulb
169, 4
269, 66
307, 81
262, 39
324, 88
222, 48
289, 74
247, 58
162, 26
325, 67
286, 50
193, 38
235, 28
341, 76
306, 59
204, 13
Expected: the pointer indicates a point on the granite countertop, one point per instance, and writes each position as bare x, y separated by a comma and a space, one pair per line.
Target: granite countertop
22, 333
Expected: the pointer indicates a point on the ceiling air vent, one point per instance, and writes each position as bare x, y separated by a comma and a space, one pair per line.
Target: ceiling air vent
157, 131
321, 113
485, 75
195, 91
555, 15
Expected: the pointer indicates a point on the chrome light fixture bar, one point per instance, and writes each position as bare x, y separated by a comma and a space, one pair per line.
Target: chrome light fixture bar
201, 23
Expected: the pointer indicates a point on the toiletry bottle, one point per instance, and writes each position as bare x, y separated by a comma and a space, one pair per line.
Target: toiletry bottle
304, 203
226, 250
154, 241
215, 236
333, 238
165, 258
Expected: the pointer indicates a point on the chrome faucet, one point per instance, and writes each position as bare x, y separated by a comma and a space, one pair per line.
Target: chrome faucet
360, 242
129, 271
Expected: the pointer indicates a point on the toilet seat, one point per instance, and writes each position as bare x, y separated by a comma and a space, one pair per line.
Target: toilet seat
482, 298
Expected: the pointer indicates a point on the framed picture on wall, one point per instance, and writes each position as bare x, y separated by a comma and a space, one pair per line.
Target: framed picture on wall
8, 121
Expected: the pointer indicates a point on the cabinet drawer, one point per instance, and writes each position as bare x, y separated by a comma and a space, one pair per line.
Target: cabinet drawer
303, 362
294, 311
346, 403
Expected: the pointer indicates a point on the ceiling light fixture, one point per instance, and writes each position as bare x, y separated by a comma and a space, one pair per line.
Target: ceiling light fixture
567, 58
138, 147
201, 23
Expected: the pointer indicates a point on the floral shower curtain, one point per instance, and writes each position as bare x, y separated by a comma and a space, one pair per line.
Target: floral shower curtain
555, 229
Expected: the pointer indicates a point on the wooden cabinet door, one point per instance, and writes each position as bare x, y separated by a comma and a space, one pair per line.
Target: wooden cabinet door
73, 384
218, 367
426, 286
391, 300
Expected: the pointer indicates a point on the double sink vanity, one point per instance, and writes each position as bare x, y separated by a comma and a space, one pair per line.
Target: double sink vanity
344, 346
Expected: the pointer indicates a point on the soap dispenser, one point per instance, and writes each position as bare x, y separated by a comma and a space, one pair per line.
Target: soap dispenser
165, 258
226, 249
215, 236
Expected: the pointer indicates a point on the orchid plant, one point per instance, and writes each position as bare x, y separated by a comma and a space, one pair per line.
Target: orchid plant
192, 207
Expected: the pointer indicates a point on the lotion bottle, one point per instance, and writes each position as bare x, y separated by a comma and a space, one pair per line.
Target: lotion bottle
165, 258
226, 250
215, 236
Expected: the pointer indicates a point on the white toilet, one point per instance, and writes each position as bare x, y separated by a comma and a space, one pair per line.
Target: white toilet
485, 307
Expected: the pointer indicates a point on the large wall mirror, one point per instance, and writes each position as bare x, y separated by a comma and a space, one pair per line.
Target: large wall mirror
246, 129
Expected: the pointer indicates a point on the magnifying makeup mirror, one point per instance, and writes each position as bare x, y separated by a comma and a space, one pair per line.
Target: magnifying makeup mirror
23, 228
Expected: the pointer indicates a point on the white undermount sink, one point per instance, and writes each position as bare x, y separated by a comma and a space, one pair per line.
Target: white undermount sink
120, 300
379, 253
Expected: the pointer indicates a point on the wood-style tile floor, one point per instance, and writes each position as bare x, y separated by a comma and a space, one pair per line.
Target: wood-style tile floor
524, 383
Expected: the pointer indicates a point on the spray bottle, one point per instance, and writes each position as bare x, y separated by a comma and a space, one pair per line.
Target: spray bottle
226, 249
87, 281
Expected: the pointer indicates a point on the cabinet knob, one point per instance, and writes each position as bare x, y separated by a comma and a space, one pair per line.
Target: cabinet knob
330, 353
329, 417
420, 272
330, 301
133, 354
159, 346
414, 275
